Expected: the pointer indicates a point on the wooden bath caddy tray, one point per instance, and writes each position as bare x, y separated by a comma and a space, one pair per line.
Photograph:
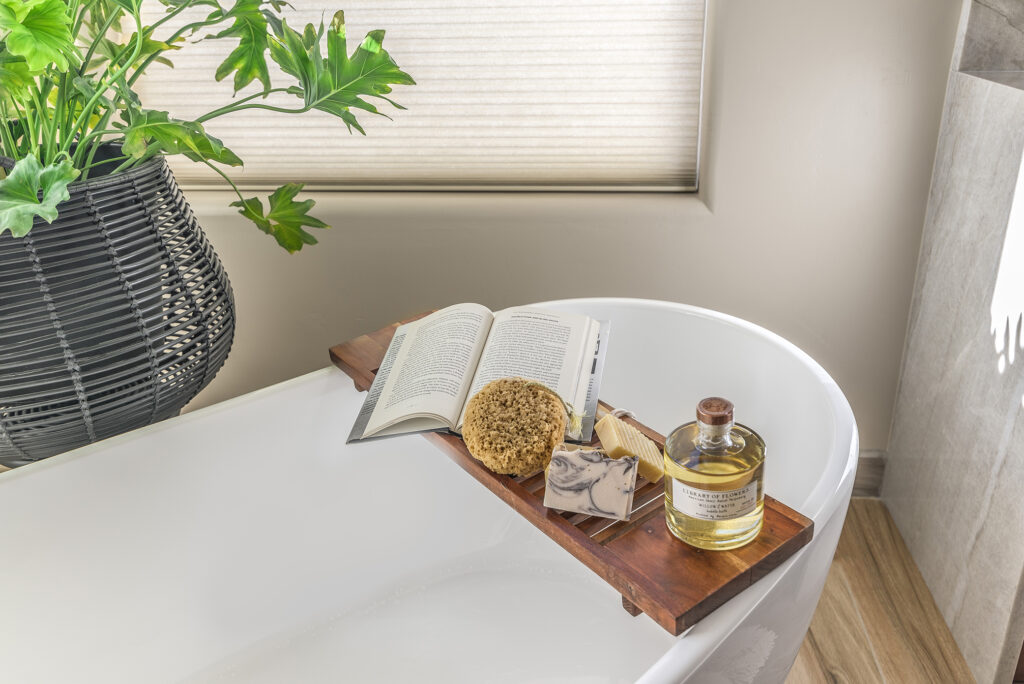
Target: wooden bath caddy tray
675, 584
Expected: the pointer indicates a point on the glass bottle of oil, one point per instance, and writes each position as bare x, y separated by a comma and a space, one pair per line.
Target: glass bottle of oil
714, 492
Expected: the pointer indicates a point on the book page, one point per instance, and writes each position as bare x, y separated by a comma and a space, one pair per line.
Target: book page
549, 347
432, 370
592, 379
379, 380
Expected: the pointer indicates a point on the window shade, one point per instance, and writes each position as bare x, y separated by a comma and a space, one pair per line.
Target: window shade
520, 94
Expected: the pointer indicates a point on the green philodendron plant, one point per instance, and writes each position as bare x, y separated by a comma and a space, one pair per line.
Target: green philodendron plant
66, 79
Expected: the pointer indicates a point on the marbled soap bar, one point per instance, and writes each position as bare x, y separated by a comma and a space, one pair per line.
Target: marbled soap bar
619, 438
587, 481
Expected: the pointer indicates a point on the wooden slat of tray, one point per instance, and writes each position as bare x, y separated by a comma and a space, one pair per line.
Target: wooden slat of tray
674, 583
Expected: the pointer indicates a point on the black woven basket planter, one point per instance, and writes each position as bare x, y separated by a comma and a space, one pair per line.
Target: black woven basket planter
111, 318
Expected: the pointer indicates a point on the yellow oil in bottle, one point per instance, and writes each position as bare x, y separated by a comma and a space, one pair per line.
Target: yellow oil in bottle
714, 484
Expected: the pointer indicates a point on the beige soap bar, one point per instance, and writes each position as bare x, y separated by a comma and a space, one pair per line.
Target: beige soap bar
619, 439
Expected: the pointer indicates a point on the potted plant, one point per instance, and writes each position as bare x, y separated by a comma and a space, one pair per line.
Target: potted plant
114, 309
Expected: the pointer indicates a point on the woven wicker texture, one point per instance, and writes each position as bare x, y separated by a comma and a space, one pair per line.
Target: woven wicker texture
111, 318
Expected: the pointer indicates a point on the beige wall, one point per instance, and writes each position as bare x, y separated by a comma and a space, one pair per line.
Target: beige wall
820, 132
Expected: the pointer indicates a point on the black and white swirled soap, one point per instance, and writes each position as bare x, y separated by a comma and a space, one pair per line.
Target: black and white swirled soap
588, 481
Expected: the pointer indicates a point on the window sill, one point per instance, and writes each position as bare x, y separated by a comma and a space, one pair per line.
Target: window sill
629, 206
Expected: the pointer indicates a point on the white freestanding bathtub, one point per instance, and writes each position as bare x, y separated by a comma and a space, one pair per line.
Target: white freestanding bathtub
247, 543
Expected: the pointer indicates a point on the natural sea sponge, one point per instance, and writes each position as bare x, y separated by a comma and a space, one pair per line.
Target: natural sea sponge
512, 425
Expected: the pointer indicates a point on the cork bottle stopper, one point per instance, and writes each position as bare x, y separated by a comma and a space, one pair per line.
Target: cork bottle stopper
714, 411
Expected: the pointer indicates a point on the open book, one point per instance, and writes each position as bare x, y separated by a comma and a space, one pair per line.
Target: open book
434, 365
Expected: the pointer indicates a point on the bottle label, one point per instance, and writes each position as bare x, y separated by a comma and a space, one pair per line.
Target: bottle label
713, 505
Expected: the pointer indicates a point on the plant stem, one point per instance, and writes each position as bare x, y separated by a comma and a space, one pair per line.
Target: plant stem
23, 126
225, 177
151, 150
46, 127
167, 17
123, 165
90, 164
78, 11
30, 132
85, 169
58, 114
10, 149
83, 119
170, 41
234, 106
80, 151
97, 39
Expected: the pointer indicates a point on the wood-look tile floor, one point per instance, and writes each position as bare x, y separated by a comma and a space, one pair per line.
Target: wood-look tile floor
876, 620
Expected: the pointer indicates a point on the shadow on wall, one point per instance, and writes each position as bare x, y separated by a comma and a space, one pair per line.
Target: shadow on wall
1007, 307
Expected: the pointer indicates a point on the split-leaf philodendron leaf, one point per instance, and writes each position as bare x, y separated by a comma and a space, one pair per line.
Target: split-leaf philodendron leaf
15, 78
339, 82
108, 51
19, 193
248, 60
285, 218
39, 31
148, 127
